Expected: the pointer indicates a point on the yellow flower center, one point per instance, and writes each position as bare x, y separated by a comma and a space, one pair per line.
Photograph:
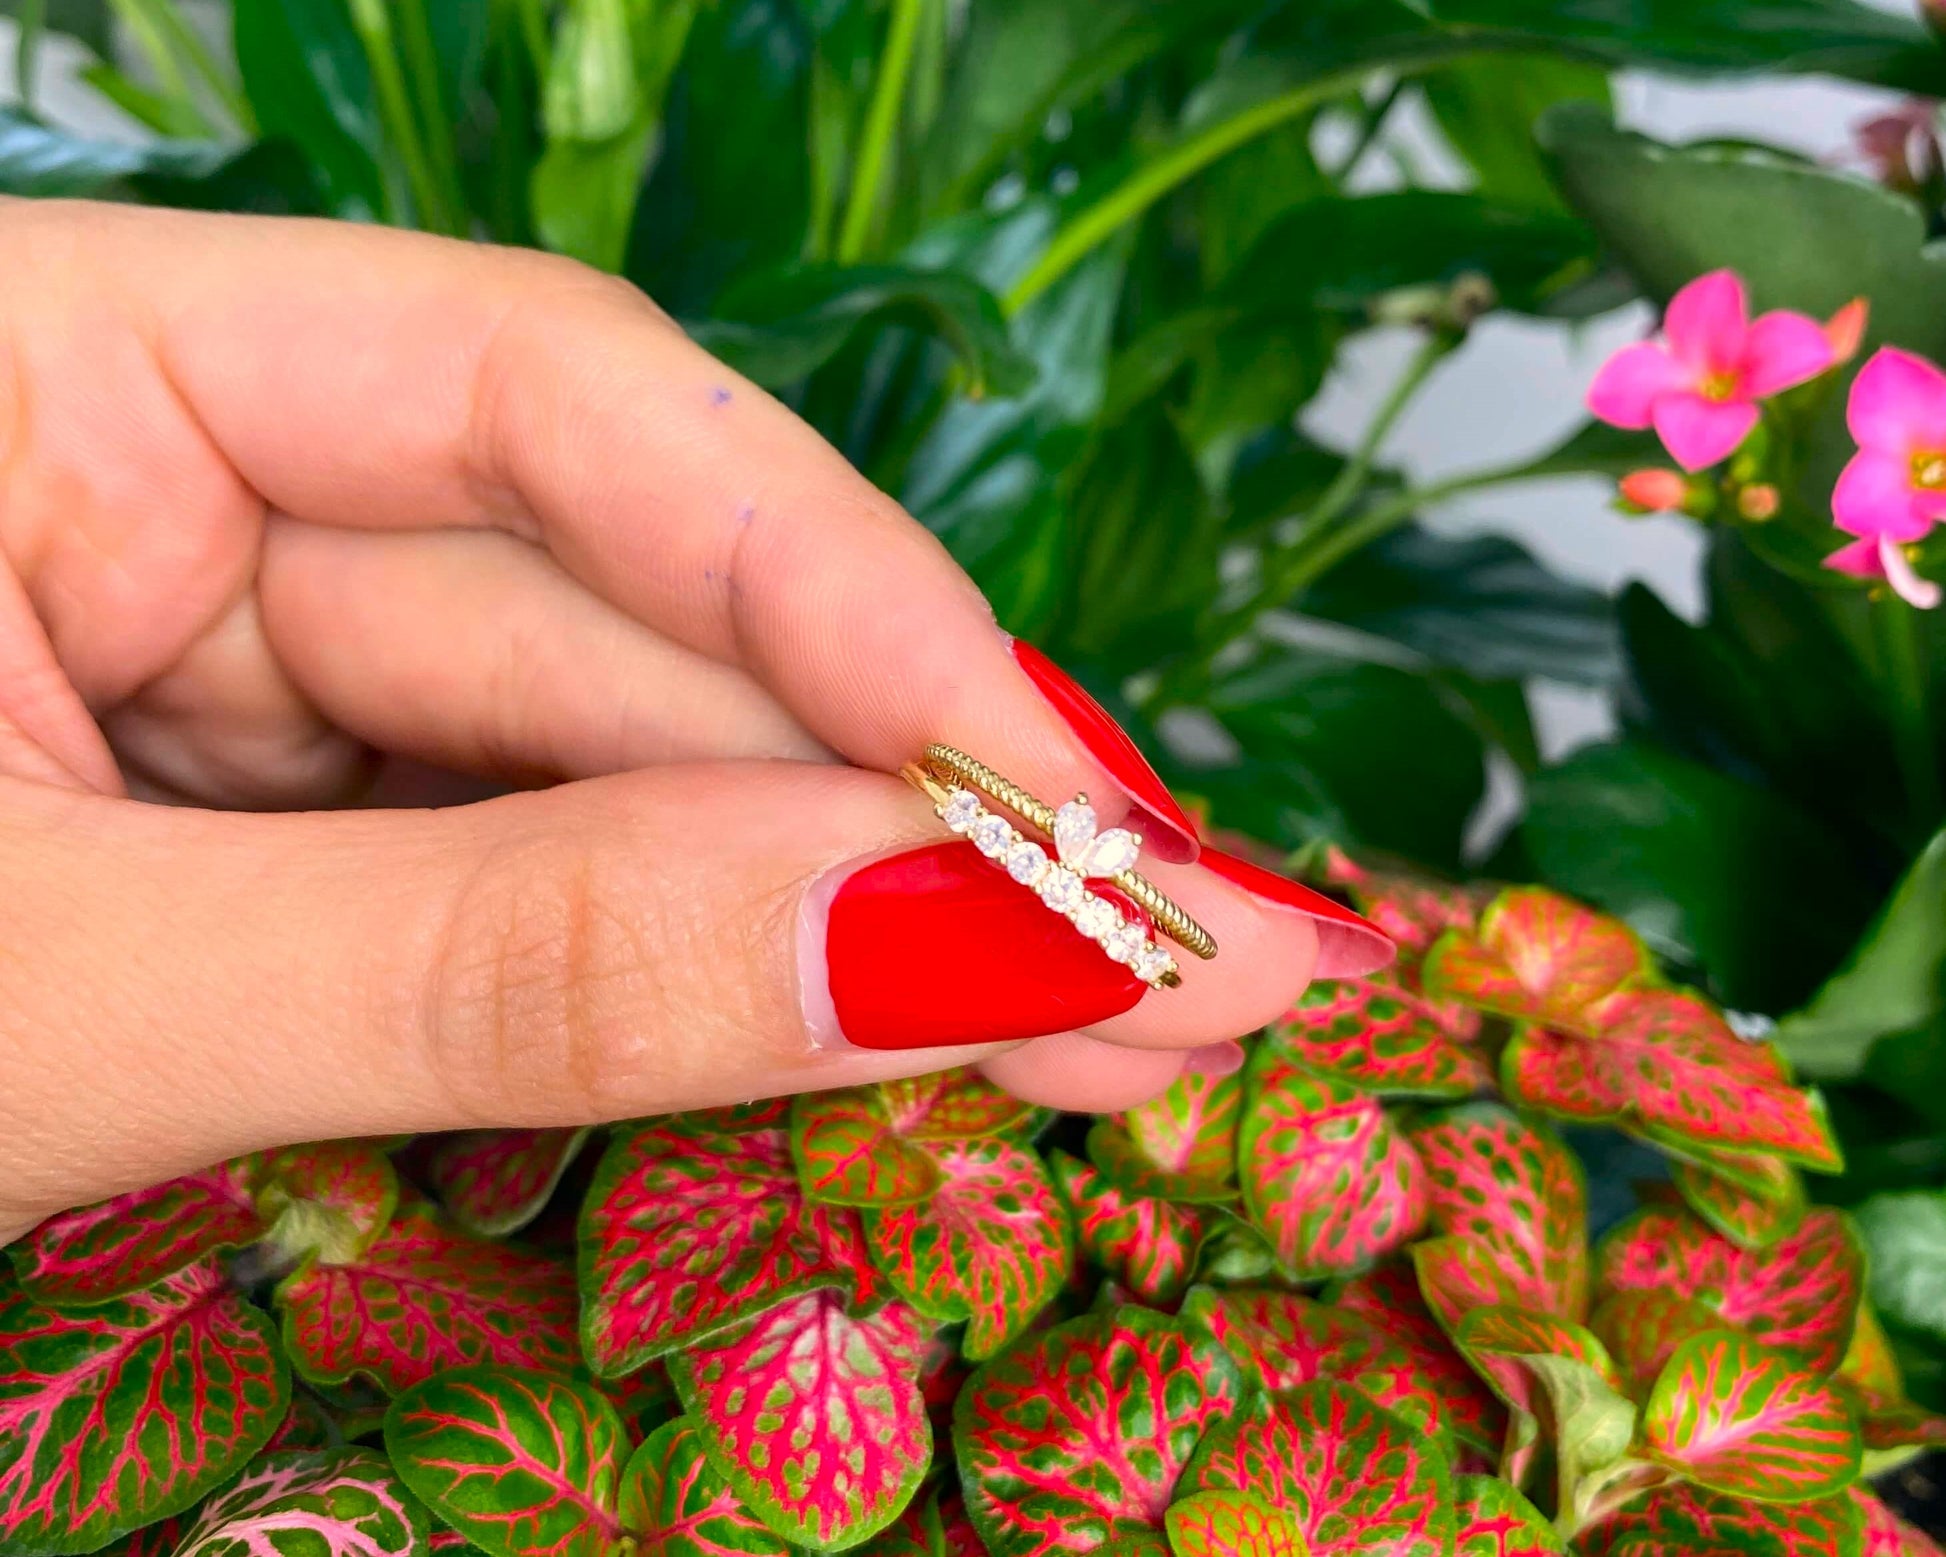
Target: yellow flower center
1929, 470
1719, 386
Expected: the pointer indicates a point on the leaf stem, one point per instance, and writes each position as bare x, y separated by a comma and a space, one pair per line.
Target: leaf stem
30, 27
422, 61
1898, 634
881, 127
1373, 122
185, 39
374, 29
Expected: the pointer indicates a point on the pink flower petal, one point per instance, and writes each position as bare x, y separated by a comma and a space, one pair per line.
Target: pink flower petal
1783, 349
1699, 432
1898, 404
1906, 584
1860, 559
1626, 389
1707, 322
1874, 497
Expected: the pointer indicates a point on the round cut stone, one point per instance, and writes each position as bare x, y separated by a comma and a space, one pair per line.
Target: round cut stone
1096, 919
1153, 963
1125, 945
1061, 890
1025, 862
961, 810
992, 836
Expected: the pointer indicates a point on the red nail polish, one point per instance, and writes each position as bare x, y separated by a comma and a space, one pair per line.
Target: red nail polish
1349, 944
1174, 836
936, 946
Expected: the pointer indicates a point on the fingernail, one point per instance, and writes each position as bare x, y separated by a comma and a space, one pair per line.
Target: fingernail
1349, 944
1172, 835
1214, 1060
936, 946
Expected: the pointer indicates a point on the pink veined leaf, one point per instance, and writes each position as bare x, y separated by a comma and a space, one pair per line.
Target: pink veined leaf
1389, 1299
342, 1503
1460, 1275
1742, 1418
1325, 1175
119, 1246
1886, 1534
1076, 1437
992, 1247
1869, 1361
116, 1416
1496, 1520
1681, 1520
686, 1232
952, 1105
1148, 1245
1413, 910
849, 1153
815, 1417
1382, 1037
1181, 1146
422, 1298
1357, 1478
1642, 1330
494, 1182
933, 1525
1232, 1524
1494, 1181
1754, 1218
521, 1463
330, 1199
1282, 1340
1537, 957
1801, 1294
1559, 1383
674, 1503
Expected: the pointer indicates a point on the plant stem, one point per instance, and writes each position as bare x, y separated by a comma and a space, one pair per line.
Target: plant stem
422, 61
31, 25
189, 44
1368, 132
881, 127
374, 28
1898, 631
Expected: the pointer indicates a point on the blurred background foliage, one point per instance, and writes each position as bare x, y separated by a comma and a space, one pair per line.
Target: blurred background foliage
1063, 276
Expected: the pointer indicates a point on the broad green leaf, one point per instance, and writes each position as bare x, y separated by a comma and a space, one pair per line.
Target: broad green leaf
1080, 1433
309, 81
1325, 1174
1151, 1246
849, 1152
496, 1181
1179, 1146
115, 1416
1905, 1240
1495, 1520
1356, 1478
674, 1503
1282, 1340
1681, 1520
814, 1417
1384, 1037
1389, 1299
516, 1461
1232, 1524
344, 1503
1742, 1418
1537, 957
1486, 107
1751, 1217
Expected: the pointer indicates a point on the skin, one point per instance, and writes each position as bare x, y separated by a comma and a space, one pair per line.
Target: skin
310, 537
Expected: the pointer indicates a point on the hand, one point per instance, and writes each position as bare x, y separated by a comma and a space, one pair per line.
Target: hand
299, 517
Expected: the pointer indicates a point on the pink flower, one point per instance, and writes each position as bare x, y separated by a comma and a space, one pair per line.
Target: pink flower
1895, 485
1880, 556
1699, 385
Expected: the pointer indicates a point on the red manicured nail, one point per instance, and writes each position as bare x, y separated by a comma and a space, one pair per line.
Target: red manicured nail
1173, 837
936, 946
1349, 944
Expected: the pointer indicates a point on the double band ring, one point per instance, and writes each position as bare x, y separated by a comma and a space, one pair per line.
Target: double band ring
956, 783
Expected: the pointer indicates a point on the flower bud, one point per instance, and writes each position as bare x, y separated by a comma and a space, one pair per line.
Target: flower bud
1846, 328
1654, 491
1758, 501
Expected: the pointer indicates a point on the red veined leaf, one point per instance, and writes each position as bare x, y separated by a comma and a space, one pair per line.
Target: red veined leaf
1232, 1524
1459, 1275
1559, 1382
1357, 1478
329, 1199
1642, 1330
932, 1525
813, 1416
342, 1503
1886, 1534
495, 1182
690, 1231
307, 1425
1801, 1294
1325, 1174
1751, 1217
1743, 1418
1869, 1361
1885, 1425
1412, 909
1389, 1299
991, 1247
116, 1416
424, 1297
1180, 1146
674, 1503
849, 1154
1076, 1436
1148, 1245
119, 1246
157, 1540
1281, 1340
1536, 957
1681, 1520
646, 1398
521, 1463
766, 1113
952, 1105
1495, 1181
1496, 1520
1383, 1037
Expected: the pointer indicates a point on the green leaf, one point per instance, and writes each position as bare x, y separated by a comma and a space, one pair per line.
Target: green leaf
1537, 957
1151, 1246
345, 1503
1232, 1524
308, 81
675, 1503
1390, 1299
1755, 1218
1487, 107
1495, 1520
1905, 1241
850, 1154
36, 159
1180, 1145
1383, 1036
1682, 1520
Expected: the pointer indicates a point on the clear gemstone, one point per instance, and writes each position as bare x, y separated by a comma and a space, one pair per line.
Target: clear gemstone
1025, 862
1074, 829
992, 836
1061, 890
1125, 944
1153, 963
1096, 919
1112, 853
961, 810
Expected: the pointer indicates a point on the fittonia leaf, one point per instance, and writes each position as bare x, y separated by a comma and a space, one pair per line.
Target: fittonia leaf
119, 1246
494, 1182
1885, 1534
1800, 1294
1180, 1146
1682, 1520
1281, 1340
1414, 910
1497, 1182
1357, 1479
952, 1105
1232, 1524
849, 1153
1325, 1174
1389, 1299
1496, 1520
1383, 1037
686, 1232
331, 1199
1537, 957
1753, 1217
813, 1416
342, 1503
1742, 1418
1458, 1275
1643, 1328
991, 1246
674, 1503
1149, 1245
425, 1297
116, 1416
1076, 1436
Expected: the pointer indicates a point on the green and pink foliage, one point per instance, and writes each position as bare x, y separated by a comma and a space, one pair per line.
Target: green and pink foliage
1684, 1520
494, 1182
933, 1525
1326, 1175
674, 1503
1378, 1034
1076, 1436
1389, 1299
1356, 1478
688, 1231
1801, 1294
1149, 1245
1886, 1534
1181, 1146
1281, 1340
1232, 1524
116, 1416
331, 1199
1561, 1389
1750, 1198
1643, 1328
345, 1503
1413, 909
425, 1297
990, 1246
119, 1246
813, 1415
849, 1153
1539, 958
954, 1105
1496, 1520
